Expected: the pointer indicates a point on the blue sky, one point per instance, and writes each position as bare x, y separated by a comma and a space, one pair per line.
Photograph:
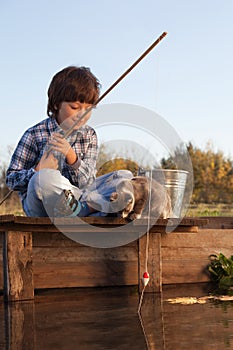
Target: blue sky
187, 79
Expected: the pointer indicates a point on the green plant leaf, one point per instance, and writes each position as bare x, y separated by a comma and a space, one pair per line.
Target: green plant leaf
221, 270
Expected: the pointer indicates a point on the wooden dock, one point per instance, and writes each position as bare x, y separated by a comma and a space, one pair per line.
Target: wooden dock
36, 255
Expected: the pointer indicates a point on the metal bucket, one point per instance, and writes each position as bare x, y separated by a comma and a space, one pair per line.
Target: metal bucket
174, 181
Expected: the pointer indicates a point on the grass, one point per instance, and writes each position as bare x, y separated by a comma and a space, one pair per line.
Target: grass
12, 205
203, 209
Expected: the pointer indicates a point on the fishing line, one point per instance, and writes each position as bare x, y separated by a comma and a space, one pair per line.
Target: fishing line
146, 281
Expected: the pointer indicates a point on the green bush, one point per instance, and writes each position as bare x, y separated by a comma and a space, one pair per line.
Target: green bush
221, 271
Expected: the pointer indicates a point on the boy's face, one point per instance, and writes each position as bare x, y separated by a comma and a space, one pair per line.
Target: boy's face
69, 112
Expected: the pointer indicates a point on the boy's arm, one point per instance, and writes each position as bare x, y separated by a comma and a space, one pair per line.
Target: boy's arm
83, 171
21, 167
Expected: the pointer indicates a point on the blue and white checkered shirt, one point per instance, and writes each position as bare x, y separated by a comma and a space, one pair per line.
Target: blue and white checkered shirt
32, 145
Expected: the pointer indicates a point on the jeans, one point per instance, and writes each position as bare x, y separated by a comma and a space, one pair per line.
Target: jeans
46, 186
97, 195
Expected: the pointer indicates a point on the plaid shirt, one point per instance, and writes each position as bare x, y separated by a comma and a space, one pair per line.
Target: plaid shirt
32, 145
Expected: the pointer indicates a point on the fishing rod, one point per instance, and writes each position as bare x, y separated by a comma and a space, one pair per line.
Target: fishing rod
88, 110
145, 53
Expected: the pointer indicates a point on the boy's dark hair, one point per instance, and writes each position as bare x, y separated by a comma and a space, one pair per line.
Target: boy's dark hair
72, 84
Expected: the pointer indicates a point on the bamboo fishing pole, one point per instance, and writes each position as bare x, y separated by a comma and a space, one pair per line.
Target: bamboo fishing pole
79, 119
145, 53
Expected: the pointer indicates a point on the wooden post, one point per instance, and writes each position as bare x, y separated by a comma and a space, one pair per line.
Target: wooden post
17, 266
154, 262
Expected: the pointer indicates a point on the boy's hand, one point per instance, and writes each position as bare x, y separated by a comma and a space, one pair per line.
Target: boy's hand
60, 144
47, 161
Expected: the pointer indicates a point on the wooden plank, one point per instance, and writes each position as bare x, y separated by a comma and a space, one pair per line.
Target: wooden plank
17, 266
24, 219
154, 263
53, 239
84, 266
193, 253
7, 218
4, 219
61, 240
185, 256
89, 274
186, 221
61, 250
178, 272
62, 255
219, 222
179, 228
28, 227
185, 253
66, 226
203, 238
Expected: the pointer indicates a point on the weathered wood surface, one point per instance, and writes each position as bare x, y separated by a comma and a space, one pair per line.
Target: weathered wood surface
154, 261
185, 256
74, 265
219, 222
51, 225
17, 266
177, 257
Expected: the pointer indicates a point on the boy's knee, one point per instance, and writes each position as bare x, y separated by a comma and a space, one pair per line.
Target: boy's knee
46, 177
43, 181
127, 174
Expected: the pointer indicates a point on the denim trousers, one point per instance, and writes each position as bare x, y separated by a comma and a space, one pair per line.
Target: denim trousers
46, 186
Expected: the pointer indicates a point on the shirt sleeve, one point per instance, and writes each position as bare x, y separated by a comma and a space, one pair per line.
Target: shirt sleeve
82, 173
21, 167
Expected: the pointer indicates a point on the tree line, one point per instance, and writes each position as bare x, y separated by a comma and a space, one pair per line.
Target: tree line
212, 172
213, 176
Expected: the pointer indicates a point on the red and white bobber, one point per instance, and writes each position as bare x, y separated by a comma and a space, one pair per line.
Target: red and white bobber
145, 278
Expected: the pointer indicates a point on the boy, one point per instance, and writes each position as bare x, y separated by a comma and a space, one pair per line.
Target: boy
51, 172
33, 171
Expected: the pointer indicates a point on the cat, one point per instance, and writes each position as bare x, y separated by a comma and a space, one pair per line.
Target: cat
135, 194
